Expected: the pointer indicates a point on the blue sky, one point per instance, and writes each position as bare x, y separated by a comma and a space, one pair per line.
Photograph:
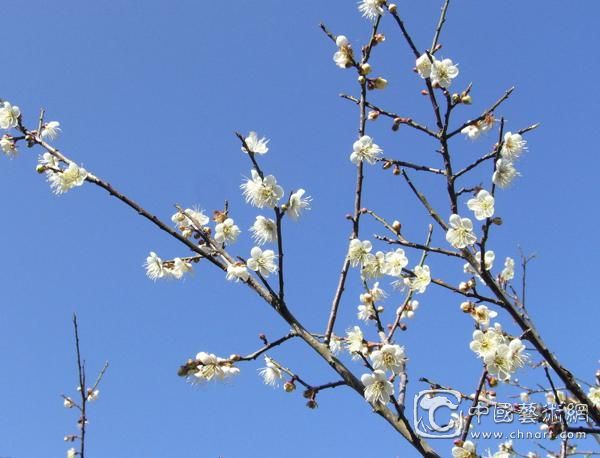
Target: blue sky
149, 94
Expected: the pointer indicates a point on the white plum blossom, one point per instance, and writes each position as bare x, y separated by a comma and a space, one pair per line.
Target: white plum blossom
355, 341
489, 259
343, 57
508, 273
71, 177
482, 314
485, 342
358, 252
68, 403
48, 160
8, 145
227, 231
271, 373
443, 72
366, 312
499, 363
51, 130
261, 192
419, 282
237, 272
460, 234
255, 145
93, 395
408, 311
501, 354
9, 116
473, 131
371, 9
374, 265
335, 344
482, 205
423, 65
378, 388
516, 351
264, 230
157, 268
364, 149
505, 173
189, 219
377, 294
211, 367
466, 450
389, 358
262, 262
395, 261
594, 395
513, 146
179, 268
297, 204
154, 267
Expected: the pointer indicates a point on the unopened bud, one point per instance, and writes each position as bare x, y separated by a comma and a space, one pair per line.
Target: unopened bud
288, 387
387, 165
393, 8
396, 170
467, 306
466, 99
311, 404
492, 381
424, 92
219, 216
365, 68
455, 98
379, 83
40, 168
373, 115
379, 38
463, 287
397, 226
361, 79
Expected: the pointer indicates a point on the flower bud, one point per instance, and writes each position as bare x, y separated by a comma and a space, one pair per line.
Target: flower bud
341, 41
365, 68
379, 83
288, 387
361, 79
379, 38
397, 226
40, 168
393, 8
463, 287
467, 306
396, 170
492, 381
311, 404
373, 115
466, 99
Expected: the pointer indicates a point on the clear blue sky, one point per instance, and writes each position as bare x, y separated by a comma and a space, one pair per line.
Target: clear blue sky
149, 94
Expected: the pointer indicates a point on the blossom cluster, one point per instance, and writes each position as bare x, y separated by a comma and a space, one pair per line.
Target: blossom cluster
208, 367
501, 353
